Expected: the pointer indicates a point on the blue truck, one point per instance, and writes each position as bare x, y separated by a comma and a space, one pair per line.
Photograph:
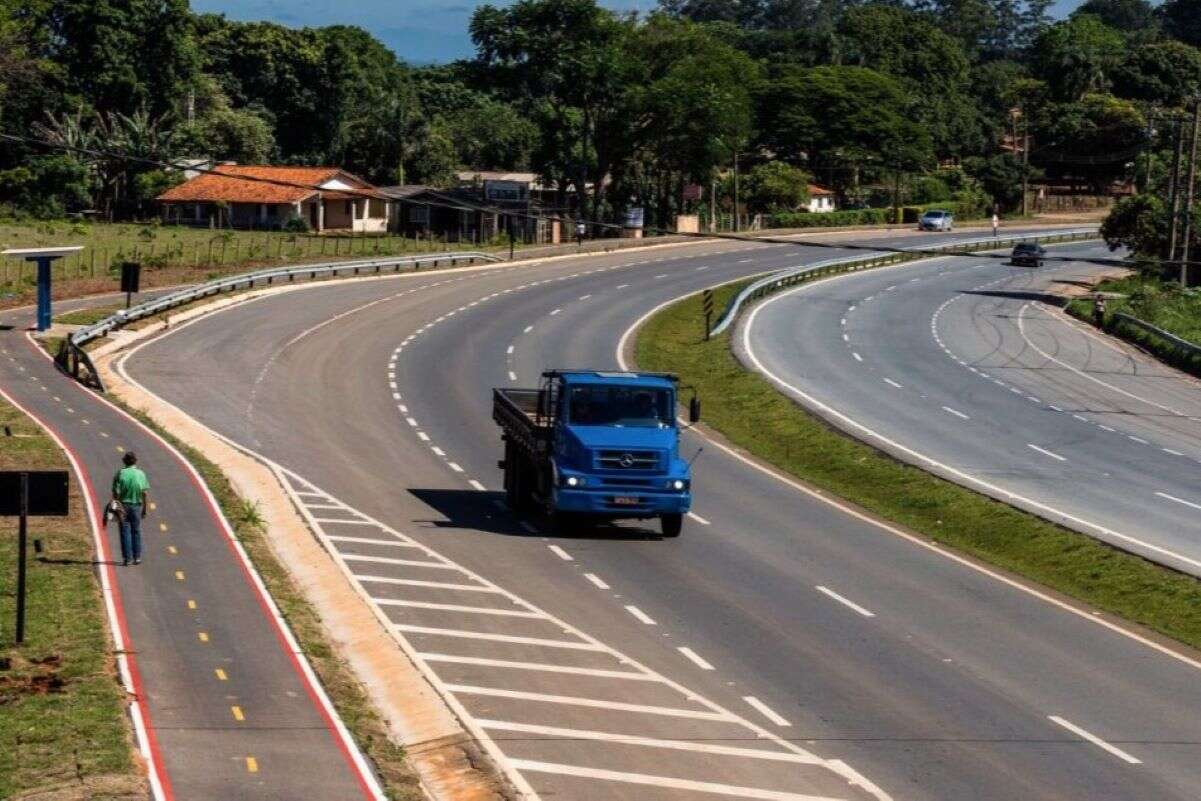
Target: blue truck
595, 445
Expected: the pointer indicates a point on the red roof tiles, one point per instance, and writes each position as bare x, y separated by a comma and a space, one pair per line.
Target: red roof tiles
226, 184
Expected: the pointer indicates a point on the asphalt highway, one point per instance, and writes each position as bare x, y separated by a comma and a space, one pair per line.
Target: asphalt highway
785, 647
963, 363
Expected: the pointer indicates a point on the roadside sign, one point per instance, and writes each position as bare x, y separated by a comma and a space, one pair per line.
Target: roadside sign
30, 493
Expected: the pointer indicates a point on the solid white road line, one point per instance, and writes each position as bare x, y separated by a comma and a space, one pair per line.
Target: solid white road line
383, 560
477, 485
562, 554
845, 602
474, 610
955, 412
1046, 452
593, 703
437, 585
650, 742
694, 658
596, 580
669, 782
370, 541
1166, 496
1094, 739
766, 711
506, 638
538, 666
698, 518
641, 616
331, 520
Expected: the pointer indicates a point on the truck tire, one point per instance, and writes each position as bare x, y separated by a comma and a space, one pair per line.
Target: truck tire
671, 524
561, 523
510, 478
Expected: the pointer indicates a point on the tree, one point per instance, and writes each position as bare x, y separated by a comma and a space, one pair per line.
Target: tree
1075, 56
776, 187
1128, 16
1095, 140
842, 119
1001, 177
47, 186
1139, 224
927, 62
1164, 74
1182, 20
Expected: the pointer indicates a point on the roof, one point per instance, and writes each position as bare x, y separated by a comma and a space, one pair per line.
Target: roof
814, 189
470, 176
617, 377
225, 183
402, 191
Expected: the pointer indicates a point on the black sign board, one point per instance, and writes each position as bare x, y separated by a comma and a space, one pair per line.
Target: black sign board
131, 274
47, 493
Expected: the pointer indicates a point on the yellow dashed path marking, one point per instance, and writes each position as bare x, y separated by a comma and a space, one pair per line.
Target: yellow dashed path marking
237, 710
161, 526
204, 637
179, 575
191, 604
171, 549
221, 675
252, 764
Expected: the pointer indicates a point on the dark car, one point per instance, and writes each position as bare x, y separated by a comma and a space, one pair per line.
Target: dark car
1028, 254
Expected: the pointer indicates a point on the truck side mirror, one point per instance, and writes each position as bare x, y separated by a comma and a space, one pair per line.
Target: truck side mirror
694, 410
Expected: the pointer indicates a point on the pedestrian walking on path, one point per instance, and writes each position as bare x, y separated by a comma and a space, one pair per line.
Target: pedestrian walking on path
996, 224
131, 489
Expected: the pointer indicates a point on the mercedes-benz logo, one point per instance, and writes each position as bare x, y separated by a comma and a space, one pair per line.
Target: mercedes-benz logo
627, 460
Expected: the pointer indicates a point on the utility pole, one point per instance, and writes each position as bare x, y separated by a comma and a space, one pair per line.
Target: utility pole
713, 204
1147, 150
1188, 202
1174, 191
735, 191
1025, 166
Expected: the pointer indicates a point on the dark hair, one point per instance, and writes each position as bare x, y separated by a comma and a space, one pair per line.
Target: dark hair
130, 459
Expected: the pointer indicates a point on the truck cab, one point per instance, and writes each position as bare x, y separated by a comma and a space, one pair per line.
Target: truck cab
600, 444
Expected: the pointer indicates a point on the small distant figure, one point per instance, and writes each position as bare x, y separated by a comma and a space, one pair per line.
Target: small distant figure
1099, 311
996, 224
131, 491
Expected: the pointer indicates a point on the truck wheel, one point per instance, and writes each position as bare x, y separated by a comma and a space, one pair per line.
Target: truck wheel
672, 524
510, 478
561, 522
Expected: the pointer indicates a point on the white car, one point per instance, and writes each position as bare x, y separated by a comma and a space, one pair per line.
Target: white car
936, 220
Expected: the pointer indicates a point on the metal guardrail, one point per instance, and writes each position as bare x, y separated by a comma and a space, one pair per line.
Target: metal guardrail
790, 277
72, 355
1180, 344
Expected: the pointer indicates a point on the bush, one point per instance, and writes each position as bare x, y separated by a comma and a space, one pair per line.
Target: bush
297, 225
829, 219
929, 189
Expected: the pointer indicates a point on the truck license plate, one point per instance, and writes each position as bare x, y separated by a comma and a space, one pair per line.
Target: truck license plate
625, 500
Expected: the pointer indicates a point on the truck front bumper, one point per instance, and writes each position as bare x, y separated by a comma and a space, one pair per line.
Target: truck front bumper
622, 504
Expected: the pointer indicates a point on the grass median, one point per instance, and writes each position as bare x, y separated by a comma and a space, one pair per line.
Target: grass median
749, 411
64, 732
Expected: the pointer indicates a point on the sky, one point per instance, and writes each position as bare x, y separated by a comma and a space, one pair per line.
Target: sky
420, 31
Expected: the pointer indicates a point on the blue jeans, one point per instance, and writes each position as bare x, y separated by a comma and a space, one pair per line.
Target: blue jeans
131, 533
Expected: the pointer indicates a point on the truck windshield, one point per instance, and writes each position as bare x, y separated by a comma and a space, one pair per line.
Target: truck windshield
619, 406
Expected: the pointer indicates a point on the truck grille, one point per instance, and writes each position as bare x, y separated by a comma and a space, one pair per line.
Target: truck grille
627, 460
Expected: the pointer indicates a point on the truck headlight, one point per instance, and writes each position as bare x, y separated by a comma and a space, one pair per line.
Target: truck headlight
677, 484
574, 481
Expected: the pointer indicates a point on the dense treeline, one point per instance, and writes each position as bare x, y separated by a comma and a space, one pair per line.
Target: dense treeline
612, 109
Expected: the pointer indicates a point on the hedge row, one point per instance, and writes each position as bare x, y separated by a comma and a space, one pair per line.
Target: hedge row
827, 219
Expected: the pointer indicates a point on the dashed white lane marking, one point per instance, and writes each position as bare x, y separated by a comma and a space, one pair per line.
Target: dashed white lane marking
510, 350
766, 711
693, 657
1137, 439
1046, 452
956, 412
411, 421
845, 601
584, 297
477, 485
506, 638
698, 518
596, 581
438, 450
1107, 428
527, 329
846, 337
702, 269
1168, 497
483, 661
651, 742
663, 275
512, 376
454, 467
424, 437
1094, 739
562, 554
556, 311
640, 616
1081, 418
594, 703
621, 286
858, 358
1172, 452
892, 383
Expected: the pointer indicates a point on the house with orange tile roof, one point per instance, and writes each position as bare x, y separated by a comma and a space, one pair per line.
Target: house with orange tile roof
255, 196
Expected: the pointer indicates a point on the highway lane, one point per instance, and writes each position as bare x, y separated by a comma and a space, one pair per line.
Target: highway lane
930, 678
963, 363
221, 704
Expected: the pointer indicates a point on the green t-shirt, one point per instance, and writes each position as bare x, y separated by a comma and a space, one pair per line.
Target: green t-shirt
129, 485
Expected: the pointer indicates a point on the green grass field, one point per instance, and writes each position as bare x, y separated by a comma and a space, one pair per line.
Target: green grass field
747, 409
63, 727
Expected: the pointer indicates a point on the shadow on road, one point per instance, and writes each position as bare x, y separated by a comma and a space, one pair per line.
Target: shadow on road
486, 511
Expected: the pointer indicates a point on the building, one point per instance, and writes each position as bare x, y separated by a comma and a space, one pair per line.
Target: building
820, 199
484, 208
246, 196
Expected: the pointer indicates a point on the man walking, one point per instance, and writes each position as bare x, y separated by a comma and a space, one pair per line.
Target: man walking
132, 490
996, 224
